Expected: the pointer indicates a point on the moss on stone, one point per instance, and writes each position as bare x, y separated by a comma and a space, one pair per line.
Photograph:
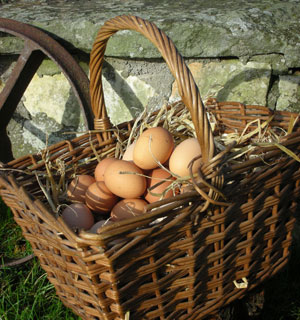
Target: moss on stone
209, 28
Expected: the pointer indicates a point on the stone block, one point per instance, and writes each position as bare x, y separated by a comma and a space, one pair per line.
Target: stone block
48, 110
230, 80
200, 29
289, 93
134, 96
49, 94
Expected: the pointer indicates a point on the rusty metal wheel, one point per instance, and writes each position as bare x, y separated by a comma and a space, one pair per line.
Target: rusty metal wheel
37, 46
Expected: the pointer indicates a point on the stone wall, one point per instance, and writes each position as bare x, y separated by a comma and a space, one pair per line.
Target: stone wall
247, 52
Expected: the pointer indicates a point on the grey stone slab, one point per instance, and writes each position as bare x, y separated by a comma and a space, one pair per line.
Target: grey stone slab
230, 80
289, 93
199, 28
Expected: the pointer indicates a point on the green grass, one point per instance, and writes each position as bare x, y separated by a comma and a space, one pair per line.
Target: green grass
26, 293
12, 243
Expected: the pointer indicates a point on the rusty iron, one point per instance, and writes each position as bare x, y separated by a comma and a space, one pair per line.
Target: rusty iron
37, 46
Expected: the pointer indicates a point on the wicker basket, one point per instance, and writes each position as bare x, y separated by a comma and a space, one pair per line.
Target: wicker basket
205, 253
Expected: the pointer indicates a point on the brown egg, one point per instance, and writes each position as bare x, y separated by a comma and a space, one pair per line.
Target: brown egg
183, 154
101, 167
128, 208
78, 186
128, 154
121, 178
99, 224
98, 197
78, 215
154, 144
157, 177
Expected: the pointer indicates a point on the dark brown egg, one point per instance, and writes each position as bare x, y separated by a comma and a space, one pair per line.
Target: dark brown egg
78, 216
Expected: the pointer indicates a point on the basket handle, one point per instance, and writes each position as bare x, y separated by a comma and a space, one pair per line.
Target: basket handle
187, 87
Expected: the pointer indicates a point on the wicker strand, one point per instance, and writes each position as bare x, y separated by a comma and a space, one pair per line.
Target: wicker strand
186, 84
102, 124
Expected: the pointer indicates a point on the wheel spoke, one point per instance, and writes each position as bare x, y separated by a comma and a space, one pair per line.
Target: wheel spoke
38, 45
26, 66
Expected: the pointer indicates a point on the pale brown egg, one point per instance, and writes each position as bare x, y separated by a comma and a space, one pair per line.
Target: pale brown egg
99, 224
78, 186
153, 145
158, 185
128, 208
99, 198
123, 178
101, 167
128, 154
182, 155
78, 216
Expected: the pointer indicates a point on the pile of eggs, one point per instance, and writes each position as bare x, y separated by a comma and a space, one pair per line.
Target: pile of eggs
121, 189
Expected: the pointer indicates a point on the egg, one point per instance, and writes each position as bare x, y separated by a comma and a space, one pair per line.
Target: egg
154, 144
101, 167
123, 178
99, 224
99, 198
156, 178
78, 186
128, 154
78, 215
182, 155
128, 208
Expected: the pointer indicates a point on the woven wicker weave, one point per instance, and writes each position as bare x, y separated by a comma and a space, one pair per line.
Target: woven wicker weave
190, 263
